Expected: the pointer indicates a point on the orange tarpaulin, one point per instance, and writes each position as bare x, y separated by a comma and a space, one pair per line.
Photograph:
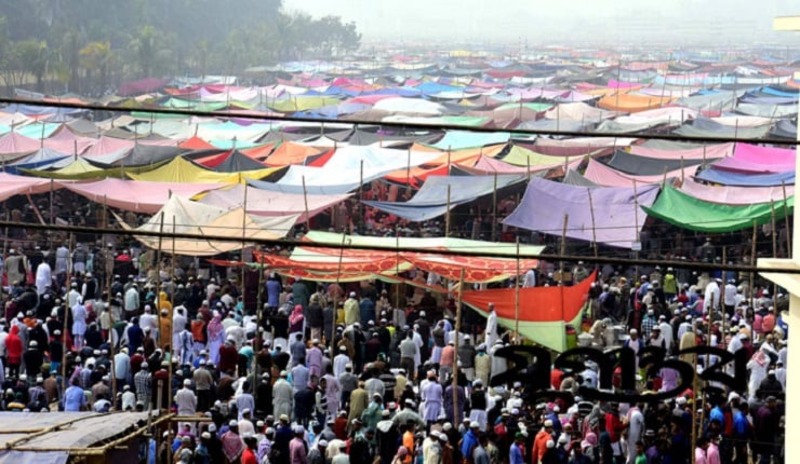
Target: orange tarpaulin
544, 312
438, 166
260, 152
196, 143
631, 103
289, 153
537, 304
477, 269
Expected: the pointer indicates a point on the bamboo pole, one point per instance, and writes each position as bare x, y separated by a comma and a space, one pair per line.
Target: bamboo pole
594, 229
636, 225
516, 297
361, 193
458, 331
335, 295
397, 266
52, 208
447, 218
563, 249
786, 217
774, 252
67, 312
682, 173
408, 168
241, 253
259, 329
753, 261
494, 208
305, 203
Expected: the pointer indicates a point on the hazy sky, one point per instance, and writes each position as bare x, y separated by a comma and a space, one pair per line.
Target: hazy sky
540, 21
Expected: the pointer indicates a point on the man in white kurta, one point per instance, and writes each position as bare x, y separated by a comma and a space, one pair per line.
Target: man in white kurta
491, 327
499, 364
432, 393
44, 277
635, 431
282, 396
340, 361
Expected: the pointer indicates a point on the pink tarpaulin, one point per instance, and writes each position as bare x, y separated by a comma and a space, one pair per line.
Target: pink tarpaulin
136, 196
11, 185
578, 145
64, 141
107, 145
615, 84
533, 94
13, 145
601, 174
271, 204
711, 152
734, 195
778, 159
369, 99
758, 159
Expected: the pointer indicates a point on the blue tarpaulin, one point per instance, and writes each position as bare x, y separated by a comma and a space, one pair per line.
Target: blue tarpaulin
719, 176
431, 200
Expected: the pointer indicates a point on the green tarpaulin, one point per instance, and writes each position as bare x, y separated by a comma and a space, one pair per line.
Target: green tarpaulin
687, 212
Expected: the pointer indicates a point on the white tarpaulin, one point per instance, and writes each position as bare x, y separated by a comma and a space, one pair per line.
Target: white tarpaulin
182, 216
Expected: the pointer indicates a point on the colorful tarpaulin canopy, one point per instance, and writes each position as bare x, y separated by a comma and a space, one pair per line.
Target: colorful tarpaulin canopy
11, 185
267, 203
180, 170
137, 196
424, 244
354, 164
682, 210
543, 312
521, 156
432, 199
676, 153
181, 216
734, 195
719, 176
638, 165
631, 103
459, 140
81, 169
758, 159
600, 174
610, 216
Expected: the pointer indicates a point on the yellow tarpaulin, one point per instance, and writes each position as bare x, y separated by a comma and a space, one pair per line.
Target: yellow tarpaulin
80, 169
520, 156
181, 170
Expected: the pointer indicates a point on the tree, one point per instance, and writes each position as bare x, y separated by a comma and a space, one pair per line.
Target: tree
32, 57
96, 56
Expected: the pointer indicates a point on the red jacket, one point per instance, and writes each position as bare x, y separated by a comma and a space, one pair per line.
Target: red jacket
14, 346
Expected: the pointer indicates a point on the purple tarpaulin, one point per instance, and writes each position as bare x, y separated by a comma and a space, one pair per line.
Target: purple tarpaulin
616, 215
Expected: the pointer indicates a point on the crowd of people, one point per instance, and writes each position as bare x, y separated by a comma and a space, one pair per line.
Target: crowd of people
364, 372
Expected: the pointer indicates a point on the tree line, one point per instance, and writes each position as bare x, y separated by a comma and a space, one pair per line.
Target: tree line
88, 46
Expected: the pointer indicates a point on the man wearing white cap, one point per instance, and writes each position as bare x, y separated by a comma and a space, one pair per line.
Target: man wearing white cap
431, 450
44, 277
186, 400
351, 310
297, 447
282, 396
340, 361
711, 299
